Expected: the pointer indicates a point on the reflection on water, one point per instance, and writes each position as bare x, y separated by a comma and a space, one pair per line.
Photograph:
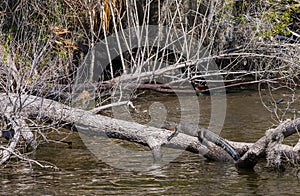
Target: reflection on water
190, 174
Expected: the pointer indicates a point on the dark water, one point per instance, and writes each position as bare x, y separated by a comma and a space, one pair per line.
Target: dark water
82, 173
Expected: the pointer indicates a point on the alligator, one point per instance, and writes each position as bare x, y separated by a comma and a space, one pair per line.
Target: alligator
204, 136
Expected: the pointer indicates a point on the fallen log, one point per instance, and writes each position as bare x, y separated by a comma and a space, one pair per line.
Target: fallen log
39, 108
33, 107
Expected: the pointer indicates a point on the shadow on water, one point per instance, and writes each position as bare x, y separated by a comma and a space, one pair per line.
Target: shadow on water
82, 173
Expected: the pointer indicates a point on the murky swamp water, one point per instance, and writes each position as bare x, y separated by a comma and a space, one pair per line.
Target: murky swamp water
82, 173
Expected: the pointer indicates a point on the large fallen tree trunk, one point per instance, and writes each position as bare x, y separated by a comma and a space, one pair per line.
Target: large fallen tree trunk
39, 108
27, 106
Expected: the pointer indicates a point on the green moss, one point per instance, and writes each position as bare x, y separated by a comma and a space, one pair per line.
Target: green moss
280, 16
